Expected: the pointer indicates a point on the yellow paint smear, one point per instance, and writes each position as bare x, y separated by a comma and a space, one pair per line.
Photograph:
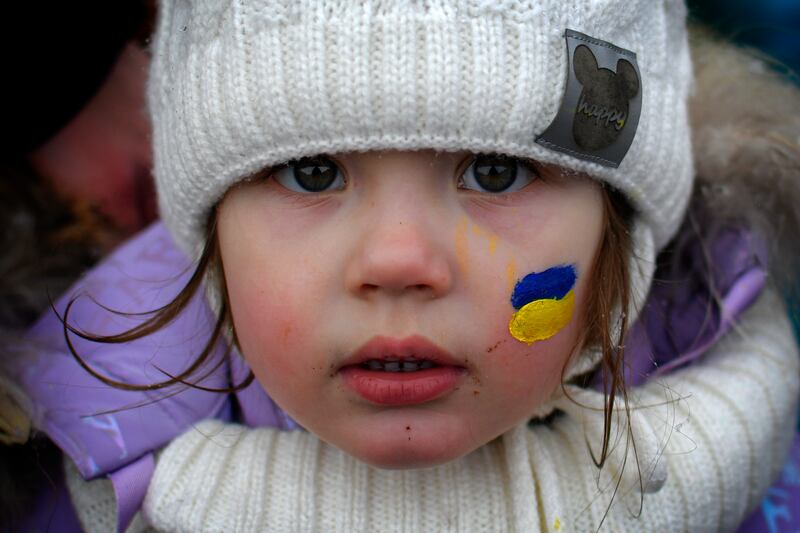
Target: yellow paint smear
541, 319
557, 524
462, 253
511, 275
491, 237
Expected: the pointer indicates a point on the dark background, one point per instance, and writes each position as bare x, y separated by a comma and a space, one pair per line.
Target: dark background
771, 25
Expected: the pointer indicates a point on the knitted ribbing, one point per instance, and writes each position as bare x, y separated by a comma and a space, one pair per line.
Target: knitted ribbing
93, 501
273, 481
95, 505
710, 439
238, 86
723, 436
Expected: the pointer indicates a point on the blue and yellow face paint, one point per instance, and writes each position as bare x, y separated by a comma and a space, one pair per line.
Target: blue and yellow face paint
544, 302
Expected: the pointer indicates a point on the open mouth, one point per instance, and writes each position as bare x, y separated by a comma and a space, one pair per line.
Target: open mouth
398, 365
398, 372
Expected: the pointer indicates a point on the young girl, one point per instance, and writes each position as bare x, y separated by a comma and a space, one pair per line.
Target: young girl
426, 227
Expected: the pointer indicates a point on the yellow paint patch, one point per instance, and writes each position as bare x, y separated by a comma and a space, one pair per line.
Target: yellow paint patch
462, 251
541, 319
557, 524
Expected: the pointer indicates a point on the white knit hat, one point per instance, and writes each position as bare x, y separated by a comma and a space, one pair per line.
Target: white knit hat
239, 86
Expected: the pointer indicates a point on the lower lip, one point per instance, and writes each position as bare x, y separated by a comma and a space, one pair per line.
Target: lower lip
402, 388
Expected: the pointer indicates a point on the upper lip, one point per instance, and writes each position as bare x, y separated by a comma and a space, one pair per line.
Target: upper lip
413, 347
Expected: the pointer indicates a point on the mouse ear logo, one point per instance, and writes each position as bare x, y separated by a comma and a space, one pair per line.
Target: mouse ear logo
600, 112
603, 104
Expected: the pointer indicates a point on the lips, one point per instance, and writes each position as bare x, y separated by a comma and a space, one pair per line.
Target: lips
396, 372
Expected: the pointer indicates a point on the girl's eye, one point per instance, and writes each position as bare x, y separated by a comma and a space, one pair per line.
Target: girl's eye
310, 175
497, 174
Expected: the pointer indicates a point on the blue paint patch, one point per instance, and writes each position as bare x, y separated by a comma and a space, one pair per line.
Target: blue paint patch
552, 284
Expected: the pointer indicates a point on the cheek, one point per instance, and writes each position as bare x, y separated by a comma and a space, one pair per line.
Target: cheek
265, 330
272, 328
518, 380
525, 375
535, 368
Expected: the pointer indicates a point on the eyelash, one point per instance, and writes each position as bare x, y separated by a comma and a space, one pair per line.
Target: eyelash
469, 174
287, 175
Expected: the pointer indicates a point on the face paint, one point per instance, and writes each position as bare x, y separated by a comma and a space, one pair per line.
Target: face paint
511, 274
544, 302
462, 253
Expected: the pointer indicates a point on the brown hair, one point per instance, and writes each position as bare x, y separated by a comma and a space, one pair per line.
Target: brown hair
610, 281
606, 309
209, 266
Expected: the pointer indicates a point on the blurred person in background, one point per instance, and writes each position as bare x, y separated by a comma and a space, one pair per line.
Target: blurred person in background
74, 182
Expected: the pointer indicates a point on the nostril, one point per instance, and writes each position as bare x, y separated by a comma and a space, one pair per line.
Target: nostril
419, 287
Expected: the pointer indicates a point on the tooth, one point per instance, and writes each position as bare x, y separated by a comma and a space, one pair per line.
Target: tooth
426, 364
392, 366
410, 366
375, 364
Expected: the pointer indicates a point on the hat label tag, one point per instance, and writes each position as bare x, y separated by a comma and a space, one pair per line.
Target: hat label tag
599, 114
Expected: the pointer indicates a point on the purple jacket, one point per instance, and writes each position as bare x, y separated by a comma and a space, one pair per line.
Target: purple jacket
112, 432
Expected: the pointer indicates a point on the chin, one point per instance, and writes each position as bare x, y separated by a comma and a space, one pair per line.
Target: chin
404, 457
410, 445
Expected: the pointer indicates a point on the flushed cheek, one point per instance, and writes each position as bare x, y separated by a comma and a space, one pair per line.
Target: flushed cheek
271, 336
518, 378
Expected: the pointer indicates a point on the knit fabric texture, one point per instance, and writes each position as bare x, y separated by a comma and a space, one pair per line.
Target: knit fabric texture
95, 503
716, 431
239, 86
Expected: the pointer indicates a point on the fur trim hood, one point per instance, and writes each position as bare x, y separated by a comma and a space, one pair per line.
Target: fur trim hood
746, 126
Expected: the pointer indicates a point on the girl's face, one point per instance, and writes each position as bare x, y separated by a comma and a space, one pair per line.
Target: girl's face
375, 310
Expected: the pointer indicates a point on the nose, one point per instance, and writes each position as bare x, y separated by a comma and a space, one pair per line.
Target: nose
398, 258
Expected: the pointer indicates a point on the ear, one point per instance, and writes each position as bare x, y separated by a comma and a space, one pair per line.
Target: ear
585, 65
627, 78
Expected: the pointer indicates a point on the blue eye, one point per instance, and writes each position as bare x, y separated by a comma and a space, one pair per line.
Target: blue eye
310, 175
496, 174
